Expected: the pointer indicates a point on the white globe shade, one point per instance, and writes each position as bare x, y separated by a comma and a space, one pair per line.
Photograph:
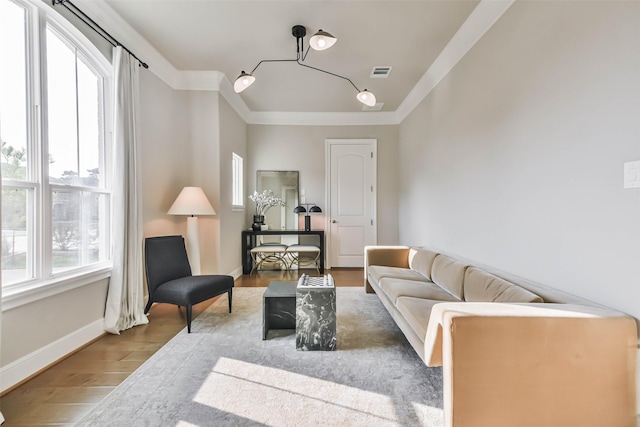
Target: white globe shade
322, 40
243, 81
367, 98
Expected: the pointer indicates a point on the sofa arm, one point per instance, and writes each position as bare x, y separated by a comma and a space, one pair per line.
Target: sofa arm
390, 256
534, 364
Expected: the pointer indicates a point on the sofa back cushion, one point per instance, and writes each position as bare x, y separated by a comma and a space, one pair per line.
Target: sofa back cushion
448, 274
421, 260
480, 286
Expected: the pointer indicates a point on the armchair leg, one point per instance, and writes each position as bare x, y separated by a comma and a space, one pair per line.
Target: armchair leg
189, 311
230, 294
148, 307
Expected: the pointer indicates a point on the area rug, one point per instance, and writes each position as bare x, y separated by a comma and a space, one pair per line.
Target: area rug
224, 374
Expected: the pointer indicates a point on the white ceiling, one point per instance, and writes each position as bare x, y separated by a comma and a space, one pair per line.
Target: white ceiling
234, 35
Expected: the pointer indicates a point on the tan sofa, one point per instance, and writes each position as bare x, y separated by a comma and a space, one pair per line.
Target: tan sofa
513, 353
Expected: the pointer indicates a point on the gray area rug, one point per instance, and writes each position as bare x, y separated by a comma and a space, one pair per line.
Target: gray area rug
224, 374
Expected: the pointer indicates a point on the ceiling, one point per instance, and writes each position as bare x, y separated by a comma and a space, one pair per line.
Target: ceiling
234, 35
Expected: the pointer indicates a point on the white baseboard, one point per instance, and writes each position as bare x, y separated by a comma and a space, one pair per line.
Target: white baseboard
26, 366
236, 273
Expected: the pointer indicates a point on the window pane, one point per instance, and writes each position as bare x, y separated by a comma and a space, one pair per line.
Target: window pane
89, 99
13, 90
62, 111
78, 228
17, 239
238, 184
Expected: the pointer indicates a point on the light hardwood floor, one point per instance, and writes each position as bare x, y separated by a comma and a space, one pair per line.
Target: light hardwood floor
65, 392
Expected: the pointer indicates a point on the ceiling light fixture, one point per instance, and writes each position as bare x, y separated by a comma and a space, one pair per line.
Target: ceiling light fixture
320, 41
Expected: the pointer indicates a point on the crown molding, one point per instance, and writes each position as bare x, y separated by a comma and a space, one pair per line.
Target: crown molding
322, 119
236, 102
481, 19
108, 19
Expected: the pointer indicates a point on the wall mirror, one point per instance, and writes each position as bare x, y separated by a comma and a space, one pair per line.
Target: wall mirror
284, 184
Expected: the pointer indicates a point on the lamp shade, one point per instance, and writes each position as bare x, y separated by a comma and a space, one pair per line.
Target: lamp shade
315, 209
322, 40
299, 209
367, 98
191, 201
243, 81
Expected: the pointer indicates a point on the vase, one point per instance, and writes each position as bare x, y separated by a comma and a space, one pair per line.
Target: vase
258, 220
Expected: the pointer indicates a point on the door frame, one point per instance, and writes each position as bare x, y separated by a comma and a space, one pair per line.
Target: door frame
327, 187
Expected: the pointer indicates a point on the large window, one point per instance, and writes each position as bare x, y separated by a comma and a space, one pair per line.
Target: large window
55, 191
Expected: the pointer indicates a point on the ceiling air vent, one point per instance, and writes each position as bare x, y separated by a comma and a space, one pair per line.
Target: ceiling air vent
380, 72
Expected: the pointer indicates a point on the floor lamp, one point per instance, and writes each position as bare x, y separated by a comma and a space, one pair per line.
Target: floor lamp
192, 202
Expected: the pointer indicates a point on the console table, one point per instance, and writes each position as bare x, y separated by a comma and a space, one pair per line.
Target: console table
249, 242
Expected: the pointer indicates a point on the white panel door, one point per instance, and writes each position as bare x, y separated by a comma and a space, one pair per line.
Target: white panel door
352, 169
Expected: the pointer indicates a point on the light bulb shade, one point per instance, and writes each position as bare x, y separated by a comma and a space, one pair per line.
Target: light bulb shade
315, 209
367, 98
322, 40
299, 209
243, 81
191, 201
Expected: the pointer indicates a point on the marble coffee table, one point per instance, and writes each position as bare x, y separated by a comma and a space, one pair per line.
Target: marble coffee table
308, 306
316, 314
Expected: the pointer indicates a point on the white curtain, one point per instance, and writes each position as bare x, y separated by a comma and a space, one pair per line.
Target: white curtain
125, 299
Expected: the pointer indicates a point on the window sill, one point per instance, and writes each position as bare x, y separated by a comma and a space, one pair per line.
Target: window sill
26, 293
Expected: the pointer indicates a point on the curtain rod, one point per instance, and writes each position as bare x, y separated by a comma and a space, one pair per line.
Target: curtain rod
95, 27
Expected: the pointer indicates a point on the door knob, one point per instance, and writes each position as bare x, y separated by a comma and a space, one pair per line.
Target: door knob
334, 221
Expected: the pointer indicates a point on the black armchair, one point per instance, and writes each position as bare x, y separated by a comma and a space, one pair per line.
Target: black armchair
169, 276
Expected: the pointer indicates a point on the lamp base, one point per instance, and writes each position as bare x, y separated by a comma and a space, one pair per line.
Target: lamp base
307, 223
193, 244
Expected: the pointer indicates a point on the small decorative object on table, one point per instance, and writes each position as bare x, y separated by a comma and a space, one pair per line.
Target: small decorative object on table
258, 220
316, 313
264, 201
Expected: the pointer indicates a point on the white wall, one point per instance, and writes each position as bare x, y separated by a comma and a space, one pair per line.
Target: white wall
188, 139
302, 148
516, 159
165, 153
31, 327
233, 139
203, 143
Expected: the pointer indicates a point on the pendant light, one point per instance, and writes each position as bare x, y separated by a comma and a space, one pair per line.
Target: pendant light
243, 81
321, 40
367, 98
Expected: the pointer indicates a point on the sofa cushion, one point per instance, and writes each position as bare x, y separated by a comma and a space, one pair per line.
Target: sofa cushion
416, 312
421, 260
395, 288
449, 275
480, 286
377, 272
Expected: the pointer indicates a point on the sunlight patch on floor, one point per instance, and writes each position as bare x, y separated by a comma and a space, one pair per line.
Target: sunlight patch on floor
269, 395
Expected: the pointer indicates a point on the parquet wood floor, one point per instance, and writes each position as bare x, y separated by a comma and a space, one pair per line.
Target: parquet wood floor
66, 391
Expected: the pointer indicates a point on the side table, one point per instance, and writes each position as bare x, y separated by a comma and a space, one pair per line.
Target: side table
279, 307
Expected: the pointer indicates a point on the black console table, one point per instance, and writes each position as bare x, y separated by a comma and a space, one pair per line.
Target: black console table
249, 242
